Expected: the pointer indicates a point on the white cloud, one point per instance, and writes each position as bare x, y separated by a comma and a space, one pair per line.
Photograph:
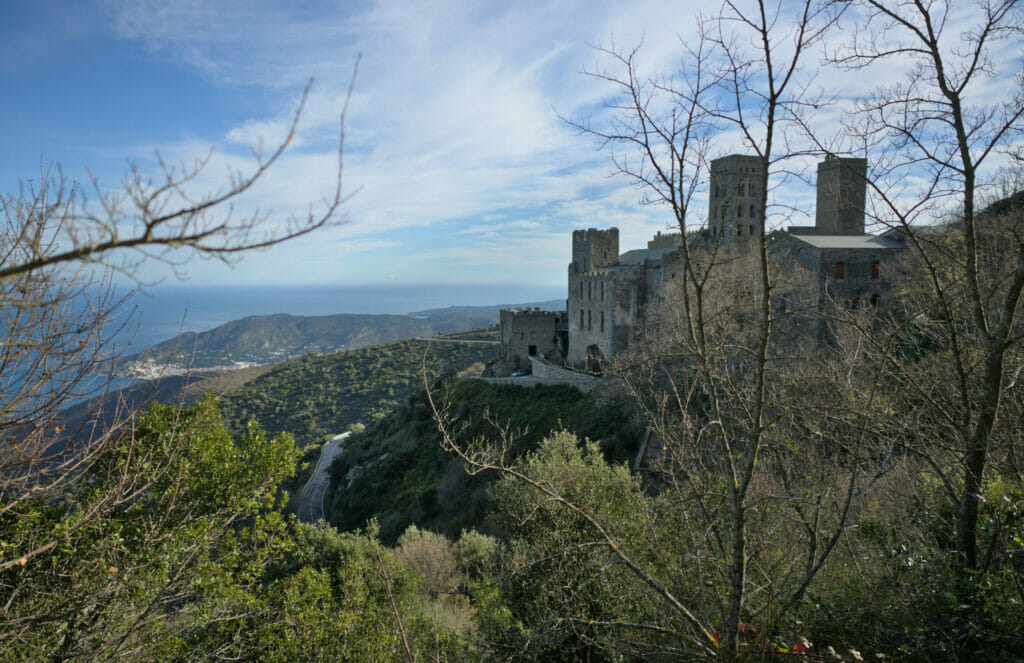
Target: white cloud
454, 122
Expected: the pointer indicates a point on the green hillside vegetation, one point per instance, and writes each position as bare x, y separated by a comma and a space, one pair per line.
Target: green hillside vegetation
319, 395
397, 472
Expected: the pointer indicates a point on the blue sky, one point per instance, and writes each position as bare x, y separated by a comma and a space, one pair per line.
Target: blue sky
465, 172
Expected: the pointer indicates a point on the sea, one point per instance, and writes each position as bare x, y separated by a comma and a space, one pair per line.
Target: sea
161, 312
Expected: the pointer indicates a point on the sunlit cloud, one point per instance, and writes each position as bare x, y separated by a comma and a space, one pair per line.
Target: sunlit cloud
454, 143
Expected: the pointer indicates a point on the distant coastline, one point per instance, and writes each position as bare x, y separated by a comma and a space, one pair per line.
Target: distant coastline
163, 312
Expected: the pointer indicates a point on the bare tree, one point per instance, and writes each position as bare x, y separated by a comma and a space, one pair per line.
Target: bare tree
764, 479
58, 255
941, 127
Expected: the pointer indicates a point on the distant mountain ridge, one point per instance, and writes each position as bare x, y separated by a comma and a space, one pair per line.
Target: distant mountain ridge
267, 338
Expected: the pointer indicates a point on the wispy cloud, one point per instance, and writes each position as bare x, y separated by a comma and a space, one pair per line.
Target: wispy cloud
453, 134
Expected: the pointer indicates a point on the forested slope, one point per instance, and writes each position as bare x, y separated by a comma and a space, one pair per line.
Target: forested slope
317, 395
397, 472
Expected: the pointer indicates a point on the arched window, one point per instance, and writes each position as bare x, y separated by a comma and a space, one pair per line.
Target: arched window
751, 211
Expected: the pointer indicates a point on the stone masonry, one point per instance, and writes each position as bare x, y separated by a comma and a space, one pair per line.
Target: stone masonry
529, 333
609, 293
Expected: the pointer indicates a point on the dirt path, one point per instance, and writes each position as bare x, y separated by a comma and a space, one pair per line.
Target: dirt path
311, 499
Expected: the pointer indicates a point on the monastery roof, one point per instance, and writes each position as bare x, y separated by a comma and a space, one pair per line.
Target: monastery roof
637, 256
851, 241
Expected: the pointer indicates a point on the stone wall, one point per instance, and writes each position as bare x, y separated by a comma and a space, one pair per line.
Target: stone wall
735, 196
842, 195
530, 332
548, 372
593, 249
590, 306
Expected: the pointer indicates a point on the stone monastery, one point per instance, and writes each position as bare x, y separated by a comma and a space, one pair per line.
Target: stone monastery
610, 293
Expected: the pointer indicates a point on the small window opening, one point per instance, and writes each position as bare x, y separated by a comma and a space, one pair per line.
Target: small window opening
840, 270
581, 319
875, 299
590, 320
739, 230
876, 270
602, 320
751, 229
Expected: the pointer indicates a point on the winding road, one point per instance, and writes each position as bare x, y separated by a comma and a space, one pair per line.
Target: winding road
311, 498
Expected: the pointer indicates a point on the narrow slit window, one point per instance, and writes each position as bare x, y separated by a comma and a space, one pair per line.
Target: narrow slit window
876, 270
840, 270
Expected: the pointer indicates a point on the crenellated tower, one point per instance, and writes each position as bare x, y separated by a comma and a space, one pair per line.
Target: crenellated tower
593, 249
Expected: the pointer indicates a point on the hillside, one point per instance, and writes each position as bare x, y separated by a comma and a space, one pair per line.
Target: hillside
309, 396
268, 338
317, 395
397, 472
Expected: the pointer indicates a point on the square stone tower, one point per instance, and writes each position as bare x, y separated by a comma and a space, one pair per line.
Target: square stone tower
736, 200
842, 195
593, 249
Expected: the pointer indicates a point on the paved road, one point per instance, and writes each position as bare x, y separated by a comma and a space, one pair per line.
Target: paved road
311, 499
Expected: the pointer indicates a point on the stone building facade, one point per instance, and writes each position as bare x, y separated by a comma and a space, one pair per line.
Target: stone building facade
607, 301
529, 333
735, 196
610, 293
